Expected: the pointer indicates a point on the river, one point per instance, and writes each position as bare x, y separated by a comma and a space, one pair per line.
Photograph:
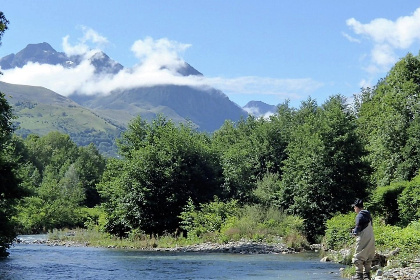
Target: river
34, 261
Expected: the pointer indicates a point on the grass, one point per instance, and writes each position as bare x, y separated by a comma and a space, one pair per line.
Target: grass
95, 238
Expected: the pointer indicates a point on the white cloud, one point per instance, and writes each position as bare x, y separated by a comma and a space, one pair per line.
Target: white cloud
383, 55
388, 37
55, 77
401, 33
255, 111
350, 38
365, 83
155, 54
159, 61
91, 41
283, 88
149, 48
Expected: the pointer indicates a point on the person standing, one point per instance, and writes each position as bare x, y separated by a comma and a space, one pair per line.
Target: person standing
365, 242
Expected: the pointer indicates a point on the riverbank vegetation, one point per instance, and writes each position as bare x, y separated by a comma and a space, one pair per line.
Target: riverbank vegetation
293, 175
215, 224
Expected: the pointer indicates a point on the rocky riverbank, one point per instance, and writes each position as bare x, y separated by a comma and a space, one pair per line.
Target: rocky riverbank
382, 267
238, 247
406, 273
44, 241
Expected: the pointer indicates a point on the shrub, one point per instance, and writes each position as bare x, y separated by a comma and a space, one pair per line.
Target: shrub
267, 187
259, 223
226, 221
94, 218
337, 234
384, 202
209, 218
388, 238
409, 202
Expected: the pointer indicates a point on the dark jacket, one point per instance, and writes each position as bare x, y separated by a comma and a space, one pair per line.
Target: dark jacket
362, 221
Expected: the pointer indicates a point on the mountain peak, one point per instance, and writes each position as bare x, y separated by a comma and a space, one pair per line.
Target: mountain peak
104, 64
44, 46
41, 53
259, 108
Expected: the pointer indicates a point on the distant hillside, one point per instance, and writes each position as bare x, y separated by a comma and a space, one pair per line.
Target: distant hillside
207, 109
40, 110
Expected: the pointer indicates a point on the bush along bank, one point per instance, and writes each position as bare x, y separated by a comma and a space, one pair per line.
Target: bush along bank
215, 227
397, 248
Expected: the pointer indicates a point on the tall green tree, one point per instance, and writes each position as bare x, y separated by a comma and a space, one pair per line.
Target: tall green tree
9, 184
251, 150
90, 165
163, 167
389, 123
324, 170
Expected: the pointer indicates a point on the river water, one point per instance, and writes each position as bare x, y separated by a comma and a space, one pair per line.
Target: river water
32, 261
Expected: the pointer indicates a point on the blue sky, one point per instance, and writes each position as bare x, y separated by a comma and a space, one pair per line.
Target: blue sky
251, 50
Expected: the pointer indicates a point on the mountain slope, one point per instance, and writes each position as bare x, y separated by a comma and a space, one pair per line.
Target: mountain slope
40, 110
207, 108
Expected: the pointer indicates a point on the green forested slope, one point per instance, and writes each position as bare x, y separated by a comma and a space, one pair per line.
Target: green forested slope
39, 111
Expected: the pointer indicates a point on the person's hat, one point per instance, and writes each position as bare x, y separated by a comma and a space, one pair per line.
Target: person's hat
358, 203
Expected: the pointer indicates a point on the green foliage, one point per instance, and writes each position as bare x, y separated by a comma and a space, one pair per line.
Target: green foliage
324, 170
389, 238
265, 192
383, 202
226, 221
209, 218
261, 223
9, 187
398, 203
409, 202
93, 218
60, 178
251, 148
164, 165
90, 166
3, 24
390, 125
55, 205
10, 190
337, 232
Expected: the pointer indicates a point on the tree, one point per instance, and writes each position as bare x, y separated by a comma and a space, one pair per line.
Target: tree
90, 165
389, 123
9, 187
163, 167
61, 178
3, 25
324, 170
251, 150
